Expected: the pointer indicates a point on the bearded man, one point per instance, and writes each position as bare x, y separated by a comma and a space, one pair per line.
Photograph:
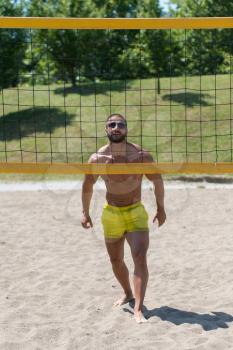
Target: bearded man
124, 216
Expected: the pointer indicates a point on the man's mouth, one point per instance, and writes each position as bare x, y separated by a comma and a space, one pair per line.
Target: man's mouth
116, 136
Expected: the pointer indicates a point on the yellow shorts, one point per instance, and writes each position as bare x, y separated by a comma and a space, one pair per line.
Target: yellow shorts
119, 220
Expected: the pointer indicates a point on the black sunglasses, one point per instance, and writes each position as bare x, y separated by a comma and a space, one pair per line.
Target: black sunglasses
120, 125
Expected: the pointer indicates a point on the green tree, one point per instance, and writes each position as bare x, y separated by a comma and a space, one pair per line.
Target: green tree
203, 50
134, 53
63, 53
203, 8
162, 46
114, 54
223, 8
12, 47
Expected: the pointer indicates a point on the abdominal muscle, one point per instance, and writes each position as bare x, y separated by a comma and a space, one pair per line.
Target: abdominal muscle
123, 190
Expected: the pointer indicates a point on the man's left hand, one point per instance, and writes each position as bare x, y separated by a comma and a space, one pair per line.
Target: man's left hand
160, 216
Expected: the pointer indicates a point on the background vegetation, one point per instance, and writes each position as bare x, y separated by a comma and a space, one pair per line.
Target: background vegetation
58, 86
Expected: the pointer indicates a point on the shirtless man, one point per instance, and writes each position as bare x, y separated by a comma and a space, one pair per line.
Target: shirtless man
124, 216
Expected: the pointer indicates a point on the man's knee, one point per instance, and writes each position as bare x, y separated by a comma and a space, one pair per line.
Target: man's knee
139, 257
116, 261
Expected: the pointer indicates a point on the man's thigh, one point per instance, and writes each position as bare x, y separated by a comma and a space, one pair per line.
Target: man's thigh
138, 242
115, 248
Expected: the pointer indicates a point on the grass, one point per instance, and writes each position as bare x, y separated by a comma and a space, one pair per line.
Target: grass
190, 120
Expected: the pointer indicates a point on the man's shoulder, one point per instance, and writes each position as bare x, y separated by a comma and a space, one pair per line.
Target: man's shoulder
99, 155
134, 145
141, 151
137, 147
103, 150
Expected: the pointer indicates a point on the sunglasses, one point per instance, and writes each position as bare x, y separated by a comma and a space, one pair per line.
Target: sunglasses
120, 125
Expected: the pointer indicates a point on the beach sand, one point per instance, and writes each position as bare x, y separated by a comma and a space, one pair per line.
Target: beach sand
57, 287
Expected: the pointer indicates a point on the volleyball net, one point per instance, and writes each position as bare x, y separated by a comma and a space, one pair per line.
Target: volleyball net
61, 78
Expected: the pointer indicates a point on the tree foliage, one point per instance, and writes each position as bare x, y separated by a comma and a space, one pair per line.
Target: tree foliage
71, 55
12, 47
205, 49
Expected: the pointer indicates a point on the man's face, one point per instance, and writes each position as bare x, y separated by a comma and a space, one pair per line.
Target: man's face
116, 129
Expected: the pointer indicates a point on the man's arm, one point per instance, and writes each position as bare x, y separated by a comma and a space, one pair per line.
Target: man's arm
159, 195
158, 191
87, 191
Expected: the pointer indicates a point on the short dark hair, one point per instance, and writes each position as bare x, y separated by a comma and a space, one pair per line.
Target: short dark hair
117, 115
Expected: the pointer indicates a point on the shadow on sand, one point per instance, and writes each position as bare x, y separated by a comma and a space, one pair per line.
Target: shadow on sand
208, 322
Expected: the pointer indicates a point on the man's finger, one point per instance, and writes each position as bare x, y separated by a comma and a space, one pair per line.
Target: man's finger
161, 222
85, 224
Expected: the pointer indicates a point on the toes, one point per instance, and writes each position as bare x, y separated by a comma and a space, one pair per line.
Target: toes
123, 301
140, 319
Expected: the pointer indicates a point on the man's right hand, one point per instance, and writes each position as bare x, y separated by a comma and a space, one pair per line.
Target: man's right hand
86, 221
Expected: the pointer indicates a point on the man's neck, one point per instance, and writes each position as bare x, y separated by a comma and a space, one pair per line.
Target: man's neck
118, 148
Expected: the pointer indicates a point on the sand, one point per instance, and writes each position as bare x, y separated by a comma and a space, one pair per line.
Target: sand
57, 287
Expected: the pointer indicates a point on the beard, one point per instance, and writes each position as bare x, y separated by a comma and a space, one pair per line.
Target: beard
116, 138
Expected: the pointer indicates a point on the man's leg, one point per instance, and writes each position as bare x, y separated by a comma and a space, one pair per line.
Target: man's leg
115, 250
139, 243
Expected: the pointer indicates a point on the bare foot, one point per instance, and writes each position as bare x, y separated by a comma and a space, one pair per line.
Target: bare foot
124, 300
139, 317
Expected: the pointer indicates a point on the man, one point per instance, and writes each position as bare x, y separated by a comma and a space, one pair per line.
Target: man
124, 216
